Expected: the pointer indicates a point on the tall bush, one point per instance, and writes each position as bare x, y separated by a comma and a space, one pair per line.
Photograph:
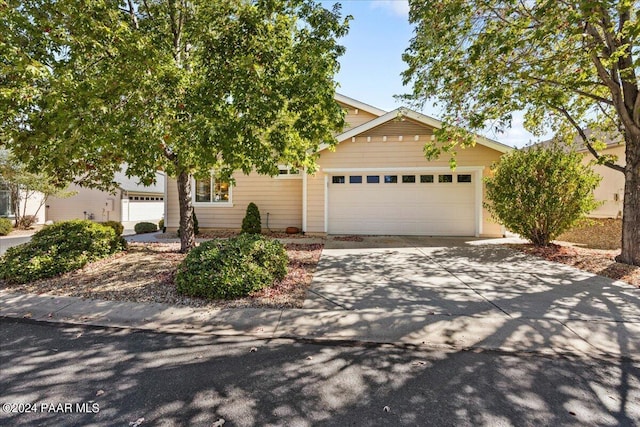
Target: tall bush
251, 222
59, 248
541, 192
5, 226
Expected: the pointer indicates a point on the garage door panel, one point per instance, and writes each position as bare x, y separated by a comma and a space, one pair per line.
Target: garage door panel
402, 208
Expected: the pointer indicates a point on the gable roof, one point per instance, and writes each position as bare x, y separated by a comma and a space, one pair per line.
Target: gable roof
359, 105
418, 117
133, 184
609, 138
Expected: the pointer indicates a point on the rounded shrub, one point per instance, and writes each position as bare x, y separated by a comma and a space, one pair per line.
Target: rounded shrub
541, 192
5, 226
145, 227
59, 248
232, 268
117, 227
251, 222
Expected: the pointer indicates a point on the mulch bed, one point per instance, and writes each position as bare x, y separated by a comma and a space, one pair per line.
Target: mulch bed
595, 233
146, 272
601, 262
225, 234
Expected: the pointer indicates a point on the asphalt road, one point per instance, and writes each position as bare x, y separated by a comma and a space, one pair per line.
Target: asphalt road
70, 375
7, 242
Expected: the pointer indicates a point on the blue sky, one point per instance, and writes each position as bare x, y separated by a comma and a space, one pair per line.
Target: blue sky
370, 70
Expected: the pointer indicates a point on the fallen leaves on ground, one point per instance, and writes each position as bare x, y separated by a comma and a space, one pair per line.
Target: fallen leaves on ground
146, 273
601, 262
349, 238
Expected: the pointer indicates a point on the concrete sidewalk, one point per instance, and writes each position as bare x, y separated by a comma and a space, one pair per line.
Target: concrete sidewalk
483, 331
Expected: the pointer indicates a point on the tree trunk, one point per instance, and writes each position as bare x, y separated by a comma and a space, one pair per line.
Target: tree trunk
631, 209
187, 236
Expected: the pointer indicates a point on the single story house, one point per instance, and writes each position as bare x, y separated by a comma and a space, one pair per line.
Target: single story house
610, 191
376, 182
132, 202
34, 204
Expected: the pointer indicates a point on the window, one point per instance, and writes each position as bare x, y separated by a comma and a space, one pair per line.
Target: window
373, 179
426, 178
408, 178
338, 179
5, 201
288, 172
391, 179
212, 190
355, 180
445, 178
464, 178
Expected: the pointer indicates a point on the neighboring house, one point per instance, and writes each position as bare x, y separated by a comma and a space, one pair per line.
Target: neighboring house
610, 191
34, 204
377, 181
132, 202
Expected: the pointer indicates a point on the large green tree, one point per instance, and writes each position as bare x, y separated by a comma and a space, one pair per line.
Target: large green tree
186, 86
572, 66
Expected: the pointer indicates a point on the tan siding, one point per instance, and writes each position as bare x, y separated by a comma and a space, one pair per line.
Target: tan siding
406, 128
612, 183
280, 198
387, 154
86, 200
353, 119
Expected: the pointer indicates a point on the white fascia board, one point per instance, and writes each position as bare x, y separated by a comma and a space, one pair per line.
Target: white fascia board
359, 105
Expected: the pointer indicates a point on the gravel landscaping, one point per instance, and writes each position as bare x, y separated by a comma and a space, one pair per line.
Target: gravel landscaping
145, 273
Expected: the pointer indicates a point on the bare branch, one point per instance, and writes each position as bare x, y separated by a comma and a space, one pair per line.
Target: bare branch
586, 141
578, 91
132, 12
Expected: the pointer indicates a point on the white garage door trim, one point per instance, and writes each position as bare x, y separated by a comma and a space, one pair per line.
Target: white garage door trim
476, 170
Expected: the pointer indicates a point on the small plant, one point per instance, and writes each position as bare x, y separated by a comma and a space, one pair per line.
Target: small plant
232, 268
5, 226
25, 222
161, 224
59, 248
117, 227
145, 227
251, 222
541, 192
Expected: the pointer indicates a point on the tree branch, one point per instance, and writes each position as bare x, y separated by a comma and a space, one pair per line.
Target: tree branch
587, 143
578, 91
132, 12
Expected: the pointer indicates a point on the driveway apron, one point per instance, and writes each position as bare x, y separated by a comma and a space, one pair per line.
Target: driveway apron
522, 300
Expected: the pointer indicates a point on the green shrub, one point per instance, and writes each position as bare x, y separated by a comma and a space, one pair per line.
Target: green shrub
145, 227
232, 268
59, 248
196, 228
251, 222
5, 226
161, 224
117, 227
541, 192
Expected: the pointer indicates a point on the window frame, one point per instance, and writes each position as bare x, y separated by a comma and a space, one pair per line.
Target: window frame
289, 174
211, 204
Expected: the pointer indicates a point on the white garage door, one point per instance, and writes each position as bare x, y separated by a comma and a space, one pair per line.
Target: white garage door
432, 204
141, 209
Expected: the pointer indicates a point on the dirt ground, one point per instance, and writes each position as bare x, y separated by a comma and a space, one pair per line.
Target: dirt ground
146, 271
595, 234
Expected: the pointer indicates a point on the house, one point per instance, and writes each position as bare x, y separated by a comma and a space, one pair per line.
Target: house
31, 203
132, 202
610, 191
377, 181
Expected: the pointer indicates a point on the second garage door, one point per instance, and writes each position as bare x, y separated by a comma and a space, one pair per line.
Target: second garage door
432, 204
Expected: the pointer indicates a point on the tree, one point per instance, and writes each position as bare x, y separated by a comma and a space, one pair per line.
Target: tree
541, 192
24, 186
185, 86
570, 65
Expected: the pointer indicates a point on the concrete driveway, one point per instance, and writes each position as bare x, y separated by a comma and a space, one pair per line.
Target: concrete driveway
458, 291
